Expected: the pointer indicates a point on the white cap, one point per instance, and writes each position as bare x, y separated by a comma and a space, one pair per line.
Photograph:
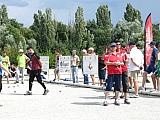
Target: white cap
91, 48
21, 50
85, 51
73, 50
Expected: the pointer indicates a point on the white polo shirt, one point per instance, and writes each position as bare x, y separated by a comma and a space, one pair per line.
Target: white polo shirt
137, 56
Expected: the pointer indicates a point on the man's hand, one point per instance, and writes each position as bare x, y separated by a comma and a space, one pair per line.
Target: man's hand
9, 74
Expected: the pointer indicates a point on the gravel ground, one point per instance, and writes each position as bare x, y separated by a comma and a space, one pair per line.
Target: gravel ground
71, 103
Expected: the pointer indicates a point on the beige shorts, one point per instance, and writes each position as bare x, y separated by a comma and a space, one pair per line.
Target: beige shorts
4, 73
134, 74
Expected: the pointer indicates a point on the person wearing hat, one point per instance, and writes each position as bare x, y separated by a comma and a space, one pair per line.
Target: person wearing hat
152, 66
136, 63
22, 59
74, 66
155, 76
91, 52
114, 63
86, 79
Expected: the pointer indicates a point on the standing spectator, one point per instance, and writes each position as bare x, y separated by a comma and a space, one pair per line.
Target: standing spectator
86, 79
124, 72
6, 63
22, 59
28, 65
56, 70
5, 69
127, 49
91, 52
114, 63
136, 62
35, 71
102, 69
152, 66
13, 70
74, 66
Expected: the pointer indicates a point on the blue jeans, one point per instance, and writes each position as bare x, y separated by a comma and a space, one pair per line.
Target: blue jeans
74, 70
86, 79
18, 71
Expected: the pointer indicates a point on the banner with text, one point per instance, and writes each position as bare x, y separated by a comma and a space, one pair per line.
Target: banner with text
64, 64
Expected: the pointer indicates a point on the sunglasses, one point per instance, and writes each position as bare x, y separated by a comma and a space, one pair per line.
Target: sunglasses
118, 44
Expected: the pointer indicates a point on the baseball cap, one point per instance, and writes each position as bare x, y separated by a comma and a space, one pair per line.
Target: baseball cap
21, 51
73, 50
158, 45
127, 48
85, 51
113, 44
152, 43
132, 43
91, 48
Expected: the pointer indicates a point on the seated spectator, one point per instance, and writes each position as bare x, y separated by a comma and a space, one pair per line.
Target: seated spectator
13, 70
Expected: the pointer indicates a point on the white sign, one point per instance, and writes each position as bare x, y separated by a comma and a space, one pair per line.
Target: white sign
64, 64
90, 65
45, 64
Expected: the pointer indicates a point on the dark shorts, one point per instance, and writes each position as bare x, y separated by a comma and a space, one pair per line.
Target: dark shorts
102, 74
117, 78
125, 81
150, 69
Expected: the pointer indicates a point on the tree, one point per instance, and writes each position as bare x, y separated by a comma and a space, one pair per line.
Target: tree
79, 31
156, 32
3, 15
128, 31
131, 14
102, 35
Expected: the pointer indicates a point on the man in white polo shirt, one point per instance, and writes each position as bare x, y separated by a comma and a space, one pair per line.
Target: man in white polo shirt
136, 63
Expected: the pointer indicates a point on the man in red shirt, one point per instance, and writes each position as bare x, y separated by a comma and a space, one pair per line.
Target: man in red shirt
124, 71
35, 71
114, 63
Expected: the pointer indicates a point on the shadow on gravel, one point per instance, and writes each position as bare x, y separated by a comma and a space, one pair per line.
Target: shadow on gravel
86, 103
99, 97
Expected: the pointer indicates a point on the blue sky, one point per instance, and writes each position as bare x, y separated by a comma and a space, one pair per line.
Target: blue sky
23, 10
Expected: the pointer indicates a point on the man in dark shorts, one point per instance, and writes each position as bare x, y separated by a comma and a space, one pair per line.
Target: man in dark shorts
35, 71
114, 63
124, 71
152, 66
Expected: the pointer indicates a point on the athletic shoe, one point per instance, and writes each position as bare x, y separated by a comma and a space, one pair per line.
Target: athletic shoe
45, 92
116, 102
147, 81
151, 90
105, 103
134, 96
22, 82
122, 96
28, 93
130, 87
141, 88
126, 101
155, 91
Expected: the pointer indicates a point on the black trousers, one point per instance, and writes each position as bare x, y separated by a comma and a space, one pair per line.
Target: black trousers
125, 81
0, 83
37, 74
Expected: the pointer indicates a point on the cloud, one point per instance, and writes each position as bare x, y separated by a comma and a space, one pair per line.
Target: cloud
18, 3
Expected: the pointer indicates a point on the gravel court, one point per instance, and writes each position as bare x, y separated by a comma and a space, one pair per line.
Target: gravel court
72, 103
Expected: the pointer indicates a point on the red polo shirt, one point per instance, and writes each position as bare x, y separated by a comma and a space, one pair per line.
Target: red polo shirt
124, 57
112, 69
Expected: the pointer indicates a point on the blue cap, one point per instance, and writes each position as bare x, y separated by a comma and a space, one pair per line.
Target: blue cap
152, 43
113, 44
132, 43
158, 45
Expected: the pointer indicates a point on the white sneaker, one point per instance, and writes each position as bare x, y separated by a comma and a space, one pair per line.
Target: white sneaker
134, 96
152, 90
155, 91
141, 88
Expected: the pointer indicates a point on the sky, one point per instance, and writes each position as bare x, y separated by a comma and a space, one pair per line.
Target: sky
23, 10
